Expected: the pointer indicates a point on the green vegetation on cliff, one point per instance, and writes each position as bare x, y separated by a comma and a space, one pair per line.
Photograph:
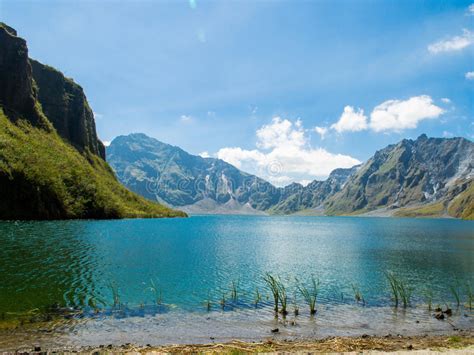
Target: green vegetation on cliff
43, 177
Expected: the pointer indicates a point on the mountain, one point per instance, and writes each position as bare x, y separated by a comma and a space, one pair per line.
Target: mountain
51, 162
409, 176
162, 172
424, 177
313, 195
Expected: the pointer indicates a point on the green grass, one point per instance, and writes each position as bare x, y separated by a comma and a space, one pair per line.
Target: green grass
310, 295
400, 289
431, 210
43, 177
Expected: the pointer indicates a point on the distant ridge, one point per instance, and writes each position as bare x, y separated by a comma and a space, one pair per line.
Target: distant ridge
426, 177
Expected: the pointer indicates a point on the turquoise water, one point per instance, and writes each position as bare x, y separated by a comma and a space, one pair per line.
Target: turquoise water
79, 263
83, 263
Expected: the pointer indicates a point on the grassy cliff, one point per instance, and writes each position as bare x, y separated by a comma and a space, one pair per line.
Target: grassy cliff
43, 177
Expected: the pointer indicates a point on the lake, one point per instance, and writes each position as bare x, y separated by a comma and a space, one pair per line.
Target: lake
199, 279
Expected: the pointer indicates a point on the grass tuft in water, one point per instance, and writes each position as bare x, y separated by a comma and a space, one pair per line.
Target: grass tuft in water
115, 294
223, 301
233, 291
258, 297
400, 289
310, 295
357, 294
470, 295
455, 290
158, 297
272, 284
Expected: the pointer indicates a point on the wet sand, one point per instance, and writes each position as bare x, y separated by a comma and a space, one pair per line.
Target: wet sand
461, 343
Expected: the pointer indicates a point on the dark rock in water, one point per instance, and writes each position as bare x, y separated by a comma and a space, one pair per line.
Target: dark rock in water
37, 348
276, 330
364, 336
438, 309
448, 312
410, 347
439, 316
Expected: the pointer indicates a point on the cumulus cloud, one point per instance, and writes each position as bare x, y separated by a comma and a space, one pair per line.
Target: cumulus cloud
284, 155
106, 143
322, 131
185, 118
470, 10
397, 115
351, 120
469, 75
455, 43
446, 100
204, 154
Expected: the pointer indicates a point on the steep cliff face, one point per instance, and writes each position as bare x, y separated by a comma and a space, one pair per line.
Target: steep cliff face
66, 106
17, 90
31, 90
52, 169
422, 171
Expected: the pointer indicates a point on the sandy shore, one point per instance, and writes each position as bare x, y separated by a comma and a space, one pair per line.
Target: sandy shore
462, 343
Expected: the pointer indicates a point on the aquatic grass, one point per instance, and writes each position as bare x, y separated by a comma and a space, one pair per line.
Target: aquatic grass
455, 291
283, 298
310, 295
223, 301
233, 292
400, 289
429, 299
208, 302
470, 295
156, 292
393, 286
115, 294
357, 294
258, 297
272, 284
296, 309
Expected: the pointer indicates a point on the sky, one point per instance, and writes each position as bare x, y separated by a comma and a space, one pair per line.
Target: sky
287, 90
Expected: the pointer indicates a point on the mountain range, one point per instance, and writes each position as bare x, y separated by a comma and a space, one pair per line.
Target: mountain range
52, 165
424, 177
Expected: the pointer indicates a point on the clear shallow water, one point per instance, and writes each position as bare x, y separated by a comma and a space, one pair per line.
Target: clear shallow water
81, 263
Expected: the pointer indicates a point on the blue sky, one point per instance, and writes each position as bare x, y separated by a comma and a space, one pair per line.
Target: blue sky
249, 81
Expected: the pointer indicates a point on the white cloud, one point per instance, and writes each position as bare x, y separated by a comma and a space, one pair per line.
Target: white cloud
396, 115
284, 155
186, 119
322, 131
469, 75
470, 9
446, 100
455, 43
106, 143
447, 134
351, 120
204, 154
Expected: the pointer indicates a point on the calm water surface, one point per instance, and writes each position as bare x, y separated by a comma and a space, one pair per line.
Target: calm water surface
83, 264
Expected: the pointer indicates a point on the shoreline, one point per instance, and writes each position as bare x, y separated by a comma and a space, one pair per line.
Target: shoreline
461, 343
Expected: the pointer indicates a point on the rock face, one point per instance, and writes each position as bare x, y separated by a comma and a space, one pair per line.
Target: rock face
411, 172
162, 172
17, 92
66, 106
313, 195
31, 90
53, 168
